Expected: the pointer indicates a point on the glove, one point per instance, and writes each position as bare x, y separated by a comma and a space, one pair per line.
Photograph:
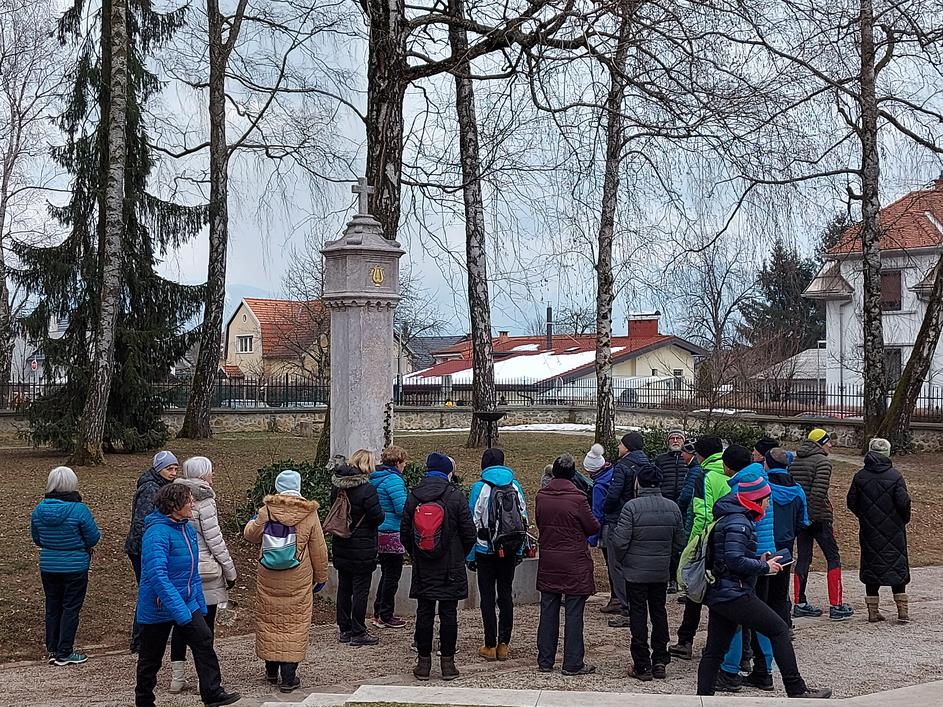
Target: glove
230, 583
472, 566
318, 587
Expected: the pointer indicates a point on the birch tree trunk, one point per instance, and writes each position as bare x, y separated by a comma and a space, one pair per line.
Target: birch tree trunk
88, 449
875, 380
196, 423
479, 304
896, 424
605, 282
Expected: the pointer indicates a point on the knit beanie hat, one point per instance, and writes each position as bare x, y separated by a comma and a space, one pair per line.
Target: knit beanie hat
437, 461
492, 457
594, 459
288, 480
676, 433
649, 476
163, 459
708, 445
688, 448
563, 467
765, 443
820, 436
881, 446
777, 458
737, 458
633, 441
752, 487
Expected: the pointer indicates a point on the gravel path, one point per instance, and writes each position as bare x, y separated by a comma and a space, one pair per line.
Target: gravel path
852, 657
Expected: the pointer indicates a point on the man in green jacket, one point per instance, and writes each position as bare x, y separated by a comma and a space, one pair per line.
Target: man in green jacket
708, 489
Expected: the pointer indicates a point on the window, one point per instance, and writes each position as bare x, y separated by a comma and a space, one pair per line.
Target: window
654, 372
244, 344
678, 375
892, 365
890, 290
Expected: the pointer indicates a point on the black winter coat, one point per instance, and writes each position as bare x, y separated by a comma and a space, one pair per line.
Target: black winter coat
622, 486
444, 579
673, 473
732, 553
650, 531
358, 553
878, 496
144, 503
812, 470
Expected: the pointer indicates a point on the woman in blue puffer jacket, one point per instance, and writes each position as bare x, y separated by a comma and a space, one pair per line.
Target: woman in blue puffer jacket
170, 597
391, 490
63, 528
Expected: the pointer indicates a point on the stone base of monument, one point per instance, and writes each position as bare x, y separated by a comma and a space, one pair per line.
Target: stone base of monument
525, 588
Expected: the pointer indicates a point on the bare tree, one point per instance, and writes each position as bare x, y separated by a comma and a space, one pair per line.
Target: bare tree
576, 320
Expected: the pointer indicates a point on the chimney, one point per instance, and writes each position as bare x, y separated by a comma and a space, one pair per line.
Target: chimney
549, 328
644, 325
502, 336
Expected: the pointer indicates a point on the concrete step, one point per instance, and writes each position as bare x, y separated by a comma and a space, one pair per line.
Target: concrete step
315, 699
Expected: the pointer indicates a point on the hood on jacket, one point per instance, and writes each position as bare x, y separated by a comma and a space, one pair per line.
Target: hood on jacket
638, 456
754, 468
601, 472
158, 518
153, 476
290, 510
53, 512
381, 473
714, 463
348, 477
729, 505
810, 449
498, 475
877, 463
780, 477
199, 489
431, 487
561, 487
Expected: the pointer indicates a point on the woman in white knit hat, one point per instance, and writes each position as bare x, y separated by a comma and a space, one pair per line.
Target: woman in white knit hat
600, 471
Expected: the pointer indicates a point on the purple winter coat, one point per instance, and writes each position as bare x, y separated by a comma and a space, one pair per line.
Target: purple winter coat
565, 521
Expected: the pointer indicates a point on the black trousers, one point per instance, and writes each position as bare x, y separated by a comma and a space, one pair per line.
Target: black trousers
548, 631
65, 595
391, 569
496, 581
689, 622
648, 599
198, 637
287, 670
778, 597
178, 646
352, 593
749, 612
605, 556
873, 590
823, 534
425, 626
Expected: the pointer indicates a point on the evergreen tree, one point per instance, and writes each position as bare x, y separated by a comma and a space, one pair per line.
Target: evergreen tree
65, 279
780, 313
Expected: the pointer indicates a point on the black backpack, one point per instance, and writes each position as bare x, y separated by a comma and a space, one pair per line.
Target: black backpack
506, 526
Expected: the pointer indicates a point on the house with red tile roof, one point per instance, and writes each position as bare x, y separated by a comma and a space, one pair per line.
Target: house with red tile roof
911, 245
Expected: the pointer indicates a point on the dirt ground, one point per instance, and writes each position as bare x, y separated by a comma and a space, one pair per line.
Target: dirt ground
108, 490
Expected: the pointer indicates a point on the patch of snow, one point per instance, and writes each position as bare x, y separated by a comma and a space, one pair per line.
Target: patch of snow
527, 347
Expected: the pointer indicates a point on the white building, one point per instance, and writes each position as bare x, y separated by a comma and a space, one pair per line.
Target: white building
910, 250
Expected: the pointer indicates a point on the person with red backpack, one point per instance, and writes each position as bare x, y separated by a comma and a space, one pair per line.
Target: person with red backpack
438, 533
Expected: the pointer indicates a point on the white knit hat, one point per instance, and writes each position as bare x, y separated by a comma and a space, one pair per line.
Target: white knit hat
594, 459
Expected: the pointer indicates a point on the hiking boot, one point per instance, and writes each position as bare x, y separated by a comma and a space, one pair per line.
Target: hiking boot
178, 677
545, 668
659, 672
447, 665
684, 651
224, 698
746, 665
502, 652
587, 669
423, 667
874, 611
728, 682
364, 639
613, 607
812, 694
672, 587
643, 675
761, 681
74, 658
805, 610
619, 622
488, 653
291, 685
840, 612
903, 611
343, 637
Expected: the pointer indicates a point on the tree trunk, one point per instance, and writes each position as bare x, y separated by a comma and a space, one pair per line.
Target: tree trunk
875, 380
605, 282
88, 448
322, 453
196, 423
896, 424
386, 87
479, 304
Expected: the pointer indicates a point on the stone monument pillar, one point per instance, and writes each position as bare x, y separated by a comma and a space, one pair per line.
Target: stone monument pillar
361, 289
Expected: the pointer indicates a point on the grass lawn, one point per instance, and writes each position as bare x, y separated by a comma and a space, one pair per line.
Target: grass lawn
108, 490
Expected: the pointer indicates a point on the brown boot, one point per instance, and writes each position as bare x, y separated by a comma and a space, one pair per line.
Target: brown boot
423, 667
502, 651
487, 653
874, 613
903, 615
449, 671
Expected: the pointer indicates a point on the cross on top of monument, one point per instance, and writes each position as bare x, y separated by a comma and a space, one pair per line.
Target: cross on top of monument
363, 190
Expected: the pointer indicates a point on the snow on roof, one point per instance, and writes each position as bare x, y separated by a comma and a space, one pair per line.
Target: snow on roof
527, 347
532, 367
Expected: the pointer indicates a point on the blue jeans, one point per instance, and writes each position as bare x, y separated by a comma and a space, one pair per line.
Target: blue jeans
65, 594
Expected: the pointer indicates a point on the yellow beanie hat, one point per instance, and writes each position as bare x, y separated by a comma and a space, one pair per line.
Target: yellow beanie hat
820, 436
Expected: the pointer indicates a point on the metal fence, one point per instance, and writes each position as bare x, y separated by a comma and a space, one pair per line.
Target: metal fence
780, 398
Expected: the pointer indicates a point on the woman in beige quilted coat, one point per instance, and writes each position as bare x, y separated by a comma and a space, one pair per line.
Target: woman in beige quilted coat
284, 597
217, 570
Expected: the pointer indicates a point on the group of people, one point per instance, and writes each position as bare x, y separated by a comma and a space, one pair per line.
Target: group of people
749, 509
